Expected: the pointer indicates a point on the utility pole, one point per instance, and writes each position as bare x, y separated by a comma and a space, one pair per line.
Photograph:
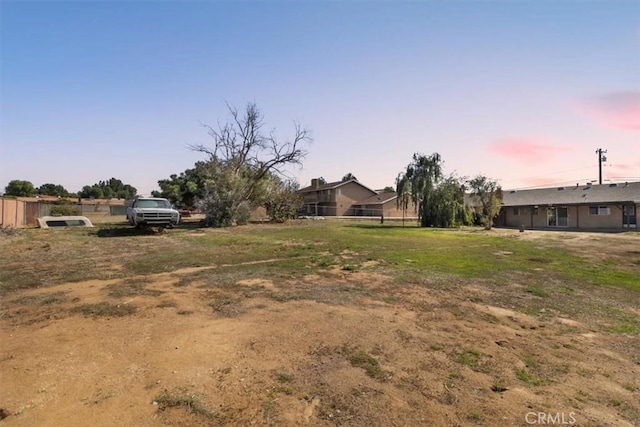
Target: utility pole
601, 158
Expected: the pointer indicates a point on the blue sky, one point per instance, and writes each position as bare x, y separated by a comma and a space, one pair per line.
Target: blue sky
521, 91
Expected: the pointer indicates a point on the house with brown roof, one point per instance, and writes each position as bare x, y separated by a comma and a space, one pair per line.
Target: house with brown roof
334, 198
583, 207
384, 204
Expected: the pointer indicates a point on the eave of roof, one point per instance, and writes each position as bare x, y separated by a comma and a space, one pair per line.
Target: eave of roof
332, 185
378, 199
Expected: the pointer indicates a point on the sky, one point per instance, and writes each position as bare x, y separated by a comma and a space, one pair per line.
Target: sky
523, 92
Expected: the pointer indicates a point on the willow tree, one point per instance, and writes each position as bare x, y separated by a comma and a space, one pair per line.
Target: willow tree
241, 161
439, 199
403, 191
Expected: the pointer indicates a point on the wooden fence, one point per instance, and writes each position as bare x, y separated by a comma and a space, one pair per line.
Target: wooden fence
16, 213
11, 213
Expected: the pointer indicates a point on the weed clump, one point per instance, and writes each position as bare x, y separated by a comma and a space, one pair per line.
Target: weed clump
104, 309
370, 365
188, 401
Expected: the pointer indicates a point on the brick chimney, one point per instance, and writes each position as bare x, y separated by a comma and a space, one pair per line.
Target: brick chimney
315, 183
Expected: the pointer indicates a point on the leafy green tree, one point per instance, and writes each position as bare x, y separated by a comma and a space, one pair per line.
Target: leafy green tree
447, 204
20, 188
282, 199
112, 188
489, 194
91, 191
388, 189
186, 189
240, 164
52, 190
438, 198
424, 173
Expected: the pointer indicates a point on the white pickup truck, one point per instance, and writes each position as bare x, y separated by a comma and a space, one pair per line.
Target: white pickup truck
152, 212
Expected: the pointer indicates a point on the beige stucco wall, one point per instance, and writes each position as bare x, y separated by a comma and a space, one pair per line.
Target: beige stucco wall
613, 220
578, 217
348, 194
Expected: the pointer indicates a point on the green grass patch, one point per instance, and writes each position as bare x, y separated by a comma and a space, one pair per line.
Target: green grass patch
625, 328
525, 376
424, 256
470, 357
370, 364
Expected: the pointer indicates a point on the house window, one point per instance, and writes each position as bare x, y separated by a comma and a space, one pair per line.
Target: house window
520, 211
599, 210
535, 211
339, 191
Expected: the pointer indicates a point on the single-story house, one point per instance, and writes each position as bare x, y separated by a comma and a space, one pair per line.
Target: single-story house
334, 198
583, 207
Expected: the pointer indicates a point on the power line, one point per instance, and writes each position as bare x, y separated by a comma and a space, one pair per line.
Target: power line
548, 174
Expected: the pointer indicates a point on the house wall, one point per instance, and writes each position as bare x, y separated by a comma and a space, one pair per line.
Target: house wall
391, 210
613, 220
388, 209
368, 210
578, 217
346, 195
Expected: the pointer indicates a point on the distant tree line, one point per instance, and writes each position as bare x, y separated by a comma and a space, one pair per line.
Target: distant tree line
112, 188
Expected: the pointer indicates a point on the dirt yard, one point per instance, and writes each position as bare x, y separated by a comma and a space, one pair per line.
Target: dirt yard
334, 346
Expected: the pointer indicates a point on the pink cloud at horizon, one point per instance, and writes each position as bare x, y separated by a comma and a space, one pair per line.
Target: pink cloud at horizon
623, 170
619, 110
525, 150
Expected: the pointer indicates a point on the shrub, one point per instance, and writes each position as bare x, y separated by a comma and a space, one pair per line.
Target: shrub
64, 210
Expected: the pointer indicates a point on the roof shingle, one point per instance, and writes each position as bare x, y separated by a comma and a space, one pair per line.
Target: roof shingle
583, 194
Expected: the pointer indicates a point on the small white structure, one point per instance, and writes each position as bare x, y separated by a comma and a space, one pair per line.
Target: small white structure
64, 221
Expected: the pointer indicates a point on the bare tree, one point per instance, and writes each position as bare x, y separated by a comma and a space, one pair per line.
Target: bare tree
241, 161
